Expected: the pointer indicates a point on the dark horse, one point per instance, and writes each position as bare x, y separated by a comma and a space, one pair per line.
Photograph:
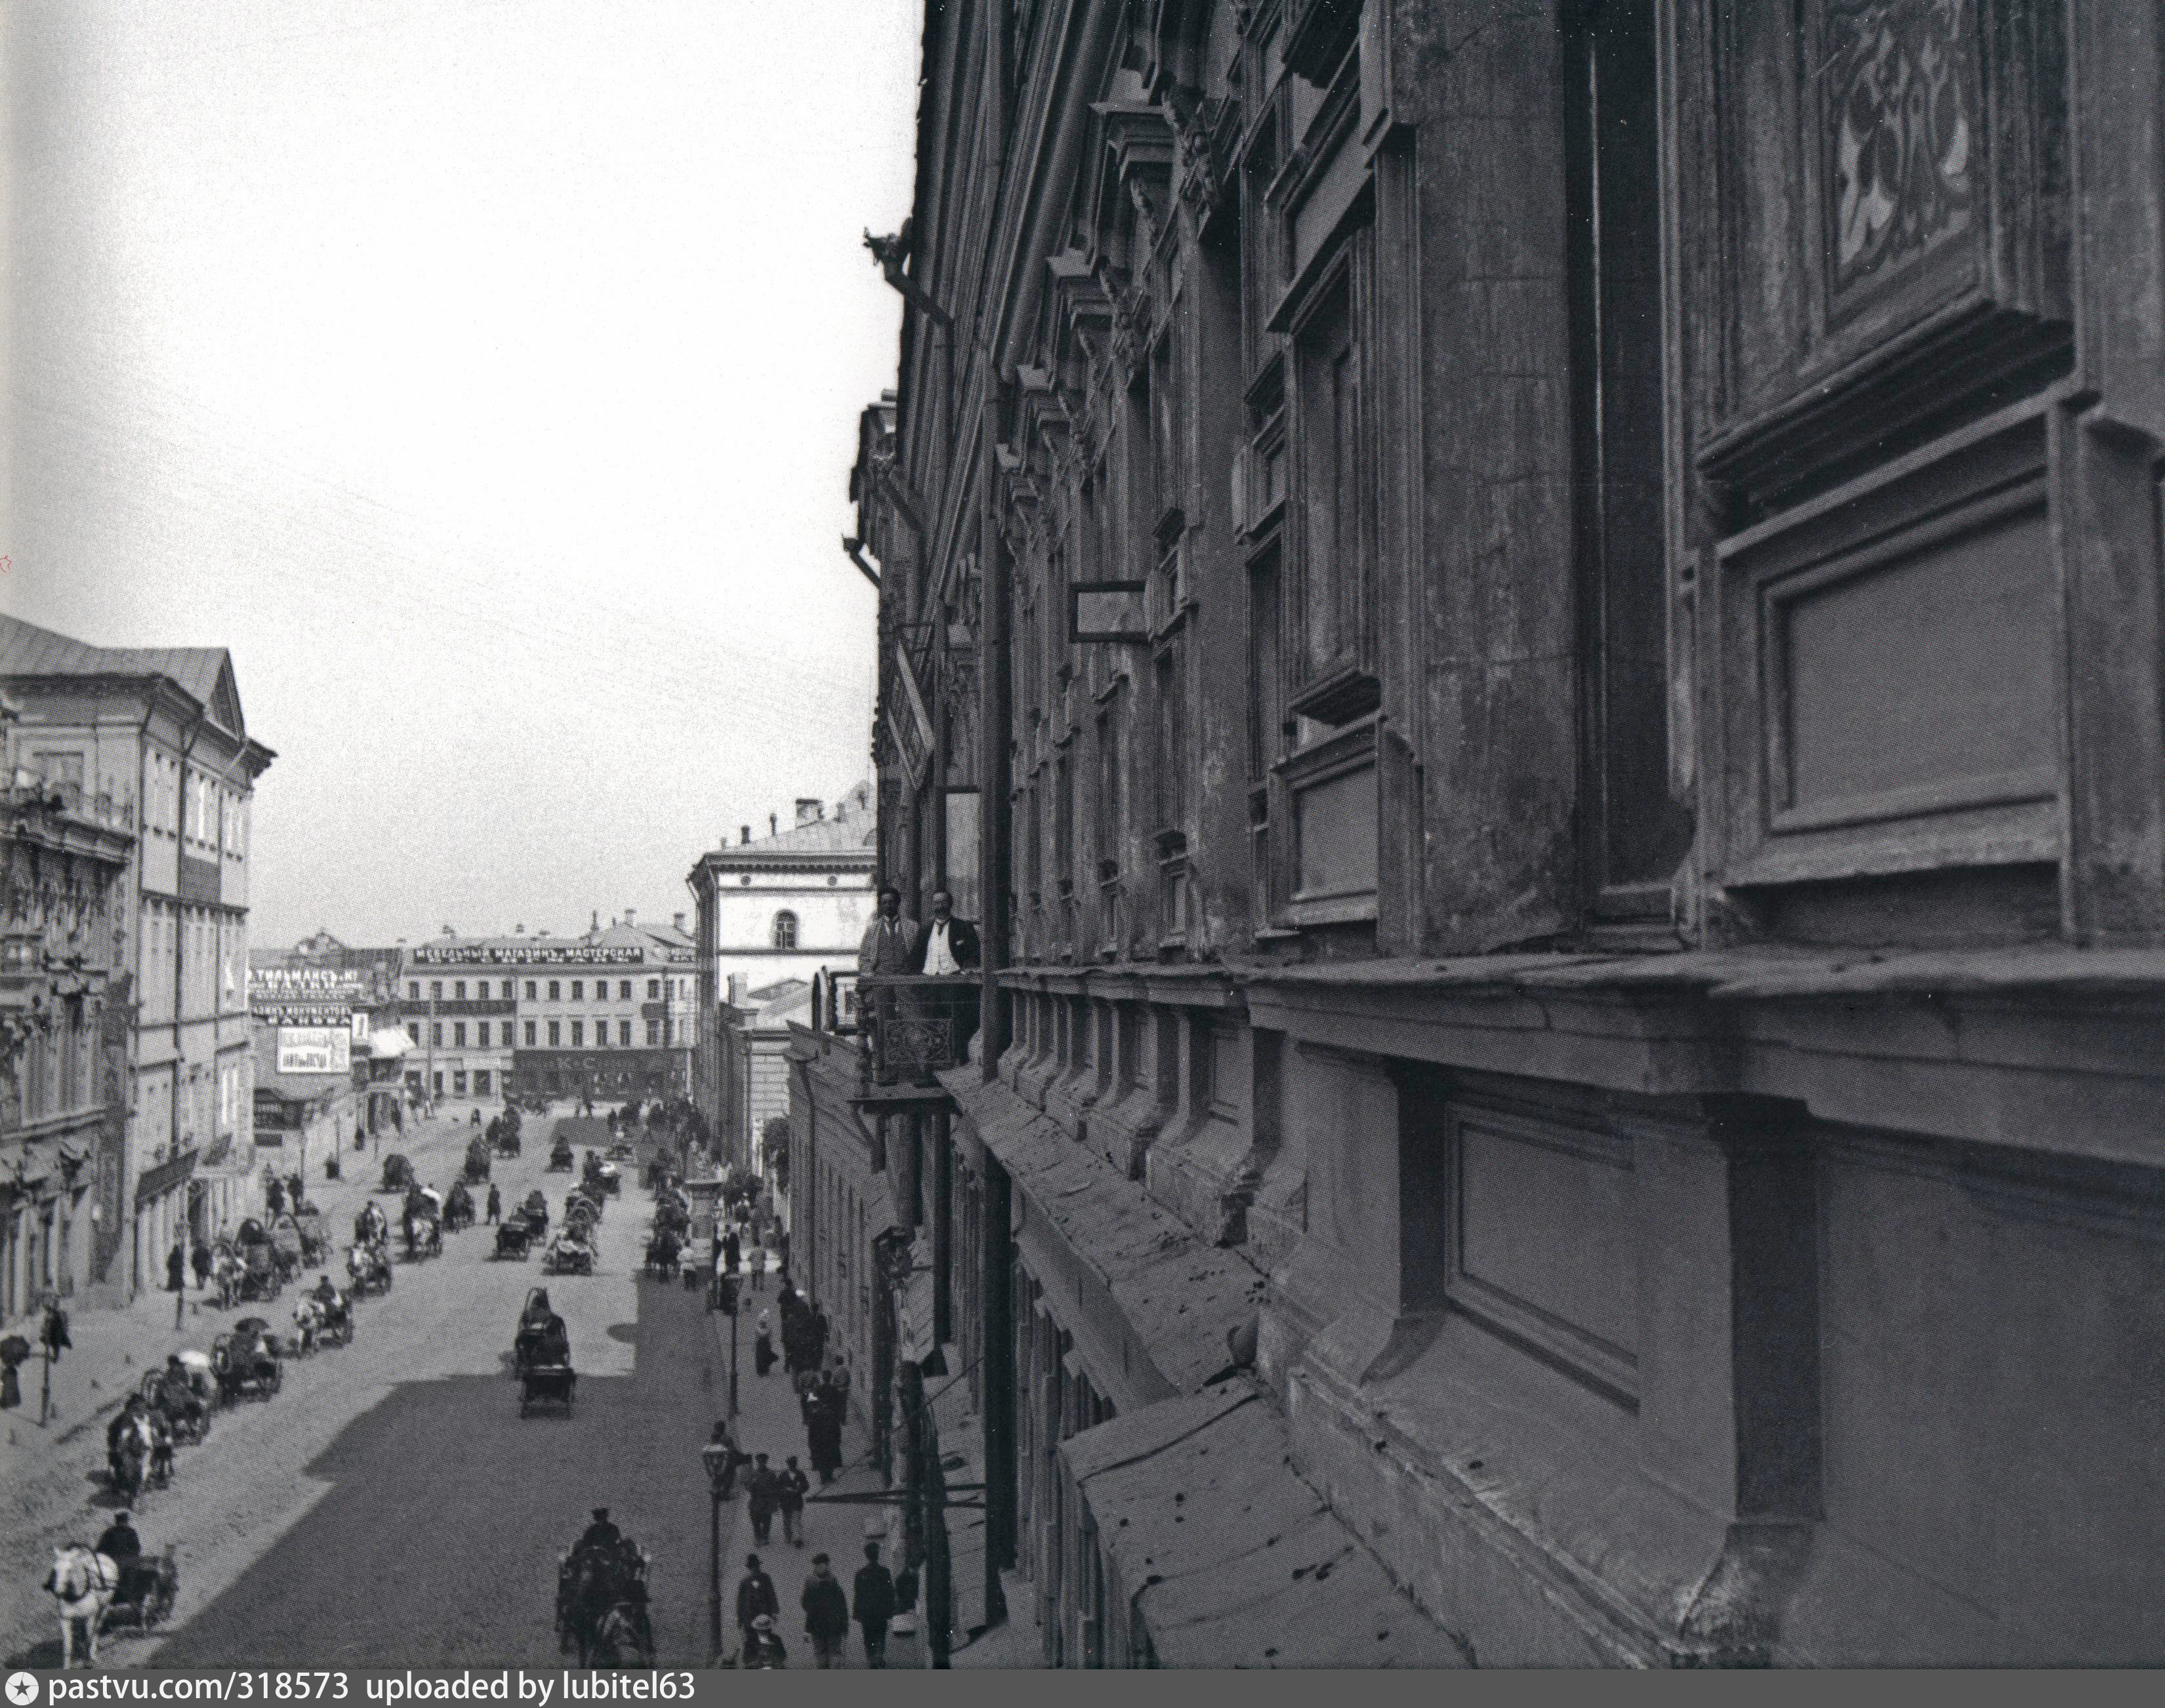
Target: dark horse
601, 1607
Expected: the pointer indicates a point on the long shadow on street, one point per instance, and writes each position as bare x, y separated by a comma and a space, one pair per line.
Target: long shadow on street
436, 1544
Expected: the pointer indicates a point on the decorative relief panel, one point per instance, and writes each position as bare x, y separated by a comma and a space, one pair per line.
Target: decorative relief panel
1898, 105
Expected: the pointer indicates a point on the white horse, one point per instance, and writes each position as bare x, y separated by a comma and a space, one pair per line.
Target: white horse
309, 1320
128, 1458
84, 1582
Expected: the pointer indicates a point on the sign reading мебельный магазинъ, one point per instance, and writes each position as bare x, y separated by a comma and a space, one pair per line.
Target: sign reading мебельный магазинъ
314, 1050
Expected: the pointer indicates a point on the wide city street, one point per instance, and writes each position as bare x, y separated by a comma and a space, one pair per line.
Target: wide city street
390, 1506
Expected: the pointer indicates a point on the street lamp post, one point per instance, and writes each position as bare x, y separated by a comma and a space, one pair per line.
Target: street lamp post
715, 1457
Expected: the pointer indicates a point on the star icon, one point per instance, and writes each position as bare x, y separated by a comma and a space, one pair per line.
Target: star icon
22, 1688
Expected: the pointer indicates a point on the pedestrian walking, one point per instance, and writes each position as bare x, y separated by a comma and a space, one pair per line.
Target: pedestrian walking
731, 1458
762, 1346
874, 1604
732, 1251
795, 1486
177, 1269
294, 1193
495, 1200
756, 1600
758, 1267
823, 1432
763, 1650
806, 1382
826, 1614
838, 1378
762, 1495
54, 1331
201, 1258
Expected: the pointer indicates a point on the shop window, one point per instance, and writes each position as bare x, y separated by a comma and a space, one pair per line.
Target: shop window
458, 1084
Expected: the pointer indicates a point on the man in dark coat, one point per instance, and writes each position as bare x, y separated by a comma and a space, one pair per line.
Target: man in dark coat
601, 1537
755, 1596
795, 1485
763, 1495
177, 1269
201, 1259
732, 1251
495, 1201
120, 1544
874, 1604
948, 947
823, 1431
826, 1613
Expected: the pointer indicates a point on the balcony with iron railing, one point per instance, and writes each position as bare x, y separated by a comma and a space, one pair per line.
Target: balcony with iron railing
909, 1027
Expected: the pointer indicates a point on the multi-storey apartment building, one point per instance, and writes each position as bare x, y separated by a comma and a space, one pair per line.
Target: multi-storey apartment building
773, 911
160, 732
63, 1000
606, 1015
1555, 612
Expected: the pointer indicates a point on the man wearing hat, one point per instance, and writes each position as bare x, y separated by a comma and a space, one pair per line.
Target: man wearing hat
120, 1544
763, 1495
755, 1601
826, 1614
875, 1605
601, 1537
763, 1647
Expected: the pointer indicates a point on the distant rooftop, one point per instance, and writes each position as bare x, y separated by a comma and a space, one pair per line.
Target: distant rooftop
849, 828
203, 674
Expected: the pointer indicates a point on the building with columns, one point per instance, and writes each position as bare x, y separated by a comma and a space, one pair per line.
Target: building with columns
1556, 612
158, 733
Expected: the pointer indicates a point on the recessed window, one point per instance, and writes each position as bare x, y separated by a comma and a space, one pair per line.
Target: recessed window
785, 930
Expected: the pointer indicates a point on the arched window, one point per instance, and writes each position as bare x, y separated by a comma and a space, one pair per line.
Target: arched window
785, 930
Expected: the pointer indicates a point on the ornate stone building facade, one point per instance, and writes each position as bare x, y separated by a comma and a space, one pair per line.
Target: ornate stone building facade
64, 1003
1555, 611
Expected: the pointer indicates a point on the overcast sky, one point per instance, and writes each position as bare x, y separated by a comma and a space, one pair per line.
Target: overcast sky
485, 376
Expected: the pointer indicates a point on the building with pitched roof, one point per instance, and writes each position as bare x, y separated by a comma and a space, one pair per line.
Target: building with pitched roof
153, 739
777, 908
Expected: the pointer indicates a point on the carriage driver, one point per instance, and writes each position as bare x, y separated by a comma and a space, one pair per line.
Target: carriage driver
176, 1394
599, 1537
120, 1544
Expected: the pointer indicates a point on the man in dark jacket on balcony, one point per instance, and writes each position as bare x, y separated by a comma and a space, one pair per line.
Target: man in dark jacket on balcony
948, 947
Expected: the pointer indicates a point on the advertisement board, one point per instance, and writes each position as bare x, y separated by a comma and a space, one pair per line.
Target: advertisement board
314, 1050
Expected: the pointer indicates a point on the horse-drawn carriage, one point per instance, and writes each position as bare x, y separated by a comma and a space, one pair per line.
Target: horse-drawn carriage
246, 1360
561, 1158
600, 1177
458, 1208
369, 1269
503, 1131
398, 1173
540, 1333
545, 1384
96, 1592
288, 1251
315, 1238
479, 1153
664, 1254
186, 1400
423, 1224
572, 1253
260, 1273
323, 1317
514, 1235
601, 1605
535, 1209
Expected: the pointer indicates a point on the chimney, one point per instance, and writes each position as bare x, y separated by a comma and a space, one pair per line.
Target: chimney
810, 811
630, 916
596, 924
774, 824
743, 835
678, 920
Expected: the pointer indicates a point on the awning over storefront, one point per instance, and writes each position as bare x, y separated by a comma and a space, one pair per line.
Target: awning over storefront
1226, 1557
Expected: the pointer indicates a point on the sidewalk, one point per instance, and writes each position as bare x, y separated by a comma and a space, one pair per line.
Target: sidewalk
767, 1422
